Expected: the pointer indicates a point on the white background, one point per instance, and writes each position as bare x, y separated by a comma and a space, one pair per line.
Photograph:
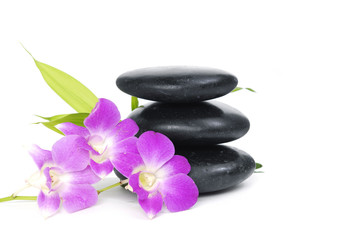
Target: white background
302, 57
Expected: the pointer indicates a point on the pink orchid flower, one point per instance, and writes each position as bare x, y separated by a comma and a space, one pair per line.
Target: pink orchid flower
109, 138
64, 175
157, 175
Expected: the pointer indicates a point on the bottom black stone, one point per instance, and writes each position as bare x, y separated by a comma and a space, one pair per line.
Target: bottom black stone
215, 167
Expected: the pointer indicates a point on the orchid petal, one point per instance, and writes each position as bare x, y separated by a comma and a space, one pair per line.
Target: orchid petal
102, 169
48, 203
78, 197
128, 145
177, 164
40, 156
134, 183
86, 176
71, 153
152, 204
155, 149
71, 129
127, 163
125, 129
179, 192
103, 118
47, 176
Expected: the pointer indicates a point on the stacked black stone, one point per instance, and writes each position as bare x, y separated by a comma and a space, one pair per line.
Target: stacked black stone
194, 126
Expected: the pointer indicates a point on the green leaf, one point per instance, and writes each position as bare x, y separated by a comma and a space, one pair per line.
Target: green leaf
76, 118
258, 172
53, 117
68, 88
51, 127
135, 103
258, 165
237, 89
250, 89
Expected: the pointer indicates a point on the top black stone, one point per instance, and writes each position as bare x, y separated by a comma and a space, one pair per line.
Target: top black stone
178, 84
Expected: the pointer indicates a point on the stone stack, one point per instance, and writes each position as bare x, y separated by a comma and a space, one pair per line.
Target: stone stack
195, 126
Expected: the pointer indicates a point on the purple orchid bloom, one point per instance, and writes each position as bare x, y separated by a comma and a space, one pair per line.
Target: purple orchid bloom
64, 175
109, 138
157, 175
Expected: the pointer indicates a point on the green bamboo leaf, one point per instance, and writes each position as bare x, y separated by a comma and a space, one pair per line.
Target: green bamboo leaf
135, 103
258, 165
237, 89
250, 89
51, 127
53, 117
76, 118
68, 88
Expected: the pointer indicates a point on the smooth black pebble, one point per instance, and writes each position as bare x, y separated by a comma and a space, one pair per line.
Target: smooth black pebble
218, 167
215, 168
178, 84
192, 124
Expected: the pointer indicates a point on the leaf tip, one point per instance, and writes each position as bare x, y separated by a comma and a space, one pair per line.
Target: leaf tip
27, 51
250, 89
258, 165
134, 103
236, 89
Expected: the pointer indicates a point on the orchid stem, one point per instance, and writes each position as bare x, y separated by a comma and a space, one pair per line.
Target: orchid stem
121, 183
11, 198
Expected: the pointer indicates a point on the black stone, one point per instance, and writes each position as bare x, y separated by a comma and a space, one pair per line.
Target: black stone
192, 124
119, 175
179, 84
215, 168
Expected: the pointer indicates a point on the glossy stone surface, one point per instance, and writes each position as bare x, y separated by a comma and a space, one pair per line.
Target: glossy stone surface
192, 124
179, 84
216, 167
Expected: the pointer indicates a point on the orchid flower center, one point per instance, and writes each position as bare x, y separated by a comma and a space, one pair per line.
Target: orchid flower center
147, 180
100, 148
100, 145
39, 180
55, 178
